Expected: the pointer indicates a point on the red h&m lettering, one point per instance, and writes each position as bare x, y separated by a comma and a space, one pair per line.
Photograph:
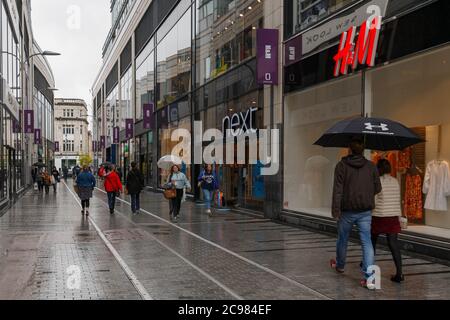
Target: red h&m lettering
365, 50
367, 43
345, 54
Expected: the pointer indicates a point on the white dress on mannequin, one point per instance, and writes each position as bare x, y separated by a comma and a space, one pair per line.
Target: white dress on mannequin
436, 185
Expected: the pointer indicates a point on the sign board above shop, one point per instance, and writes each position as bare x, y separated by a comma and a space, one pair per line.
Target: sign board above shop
312, 40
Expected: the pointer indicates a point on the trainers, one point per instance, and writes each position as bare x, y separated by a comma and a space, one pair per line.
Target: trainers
87, 213
175, 219
209, 212
333, 265
367, 285
82, 212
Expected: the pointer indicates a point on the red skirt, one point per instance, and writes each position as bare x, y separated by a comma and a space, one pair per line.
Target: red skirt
385, 225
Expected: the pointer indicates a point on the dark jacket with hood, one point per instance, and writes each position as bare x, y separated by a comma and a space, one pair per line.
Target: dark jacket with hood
135, 182
356, 182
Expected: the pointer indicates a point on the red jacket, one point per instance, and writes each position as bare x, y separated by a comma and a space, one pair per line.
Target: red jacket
112, 182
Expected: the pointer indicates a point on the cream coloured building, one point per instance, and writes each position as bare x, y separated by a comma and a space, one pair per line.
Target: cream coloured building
71, 131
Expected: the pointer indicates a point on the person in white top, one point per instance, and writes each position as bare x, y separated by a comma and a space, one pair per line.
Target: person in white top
385, 216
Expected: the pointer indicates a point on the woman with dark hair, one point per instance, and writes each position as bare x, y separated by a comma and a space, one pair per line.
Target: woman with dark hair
385, 216
86, 183
207, 181
177, 180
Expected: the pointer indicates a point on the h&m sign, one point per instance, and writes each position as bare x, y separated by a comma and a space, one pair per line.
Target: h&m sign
363, 51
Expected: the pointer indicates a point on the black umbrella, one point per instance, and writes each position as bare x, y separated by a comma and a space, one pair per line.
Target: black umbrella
377, 134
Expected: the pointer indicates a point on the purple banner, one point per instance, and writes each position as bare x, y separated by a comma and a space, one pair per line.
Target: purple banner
293, 51
116, 137
56, 146
102, 142
37, 136
267, 56
16, 126
129, 128
28, 121
148, 115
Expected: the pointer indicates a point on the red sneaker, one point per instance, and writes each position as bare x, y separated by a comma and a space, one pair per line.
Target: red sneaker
333, 266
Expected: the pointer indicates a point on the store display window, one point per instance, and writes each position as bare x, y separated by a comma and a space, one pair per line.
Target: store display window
415, 93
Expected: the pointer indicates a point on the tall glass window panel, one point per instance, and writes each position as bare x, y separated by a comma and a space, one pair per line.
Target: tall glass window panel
145, 83
125, 104
309, 169
225, 35
174, 62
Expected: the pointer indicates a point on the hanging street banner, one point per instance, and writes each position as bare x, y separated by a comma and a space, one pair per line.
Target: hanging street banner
28, 120
116, 135
129, 128
37, 136
267, 56
148, 115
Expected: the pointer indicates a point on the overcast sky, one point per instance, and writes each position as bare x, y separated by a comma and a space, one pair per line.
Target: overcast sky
77, 29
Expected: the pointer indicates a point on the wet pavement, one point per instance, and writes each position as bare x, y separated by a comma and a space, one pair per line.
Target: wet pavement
49, 251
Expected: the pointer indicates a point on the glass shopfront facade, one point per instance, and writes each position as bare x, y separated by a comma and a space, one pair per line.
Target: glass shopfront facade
200, 60
411, 89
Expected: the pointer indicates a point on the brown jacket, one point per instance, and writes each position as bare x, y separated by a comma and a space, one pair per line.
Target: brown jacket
356, 182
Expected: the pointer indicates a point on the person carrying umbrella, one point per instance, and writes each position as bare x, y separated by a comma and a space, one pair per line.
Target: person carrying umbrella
356, 182
178, 181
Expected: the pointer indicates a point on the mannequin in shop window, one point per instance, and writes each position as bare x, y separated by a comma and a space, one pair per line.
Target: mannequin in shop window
413, 203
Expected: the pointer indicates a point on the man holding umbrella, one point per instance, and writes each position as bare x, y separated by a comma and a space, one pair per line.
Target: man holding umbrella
356, 182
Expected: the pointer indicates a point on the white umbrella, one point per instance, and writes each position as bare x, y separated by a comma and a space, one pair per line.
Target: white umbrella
168, 161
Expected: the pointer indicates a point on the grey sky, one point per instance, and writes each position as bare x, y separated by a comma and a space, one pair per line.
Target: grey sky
77, 29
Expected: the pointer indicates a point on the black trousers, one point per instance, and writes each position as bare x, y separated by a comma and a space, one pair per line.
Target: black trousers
176, 203
85, 204
392, 241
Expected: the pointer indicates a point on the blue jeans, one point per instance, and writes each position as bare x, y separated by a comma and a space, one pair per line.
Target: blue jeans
363, 221
207, 197
135, 202
111, 200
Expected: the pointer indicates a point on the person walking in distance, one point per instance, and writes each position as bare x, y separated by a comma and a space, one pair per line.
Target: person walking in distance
385, 216
86, 184
40, 180
47, 179
55, 174
113, 187
135, 184
356, 182
208, 183
178, 181
65, 171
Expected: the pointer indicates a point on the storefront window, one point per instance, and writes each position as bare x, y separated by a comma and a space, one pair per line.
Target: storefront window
415, 93
309, 169
171, 118
126, 94
112, 114
305, 13
174, 62
225, 35
145, 80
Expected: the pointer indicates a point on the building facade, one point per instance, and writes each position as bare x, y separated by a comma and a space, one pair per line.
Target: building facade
71, 132
407, 82
171, 63
26, 102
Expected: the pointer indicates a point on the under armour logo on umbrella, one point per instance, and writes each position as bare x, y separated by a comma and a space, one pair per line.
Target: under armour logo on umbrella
382, 126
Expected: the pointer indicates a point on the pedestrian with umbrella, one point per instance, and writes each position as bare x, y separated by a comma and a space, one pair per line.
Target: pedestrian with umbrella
357, 181
176, 184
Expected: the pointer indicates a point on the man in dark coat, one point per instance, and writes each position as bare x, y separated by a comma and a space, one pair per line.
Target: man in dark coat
135, 184
356, 182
